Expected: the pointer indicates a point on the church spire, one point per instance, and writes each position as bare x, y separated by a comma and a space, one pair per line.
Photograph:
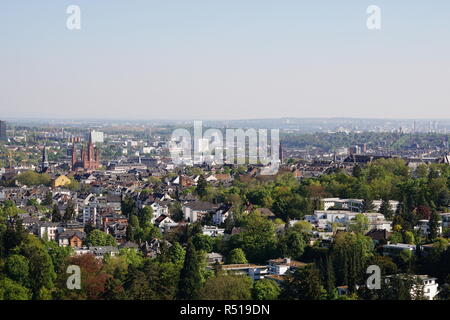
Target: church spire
44, 163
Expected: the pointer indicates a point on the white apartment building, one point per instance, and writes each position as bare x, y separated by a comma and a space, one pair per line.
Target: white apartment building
213, 231
325, 218
90, 215
354, 205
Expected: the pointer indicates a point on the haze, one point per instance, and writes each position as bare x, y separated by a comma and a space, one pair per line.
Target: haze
232, 59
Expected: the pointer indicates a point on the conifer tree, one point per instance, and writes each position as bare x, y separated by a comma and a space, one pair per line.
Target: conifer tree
190, 275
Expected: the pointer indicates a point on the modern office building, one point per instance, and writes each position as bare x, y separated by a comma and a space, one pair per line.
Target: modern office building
3, 136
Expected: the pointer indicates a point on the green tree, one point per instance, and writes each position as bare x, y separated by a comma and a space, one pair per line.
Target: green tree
202, 242
258, 239
99, 238
190, 276
303, 284
226, 287
17, 268
48, 200
292, 244
146, 215
56, 214
201, 188
360, 224
177, 253
385, 208
433, 226
367, 205
236, 256
70, 213
10, 290
41, 271
265, 289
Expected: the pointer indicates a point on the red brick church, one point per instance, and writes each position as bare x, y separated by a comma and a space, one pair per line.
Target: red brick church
90, 157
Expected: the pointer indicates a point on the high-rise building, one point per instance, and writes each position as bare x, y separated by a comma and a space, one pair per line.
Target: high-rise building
3, 136
97, 136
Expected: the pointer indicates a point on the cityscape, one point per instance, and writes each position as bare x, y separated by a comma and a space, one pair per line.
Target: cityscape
108, 198
210, 159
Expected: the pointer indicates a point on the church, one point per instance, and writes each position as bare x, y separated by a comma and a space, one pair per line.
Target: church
90, 157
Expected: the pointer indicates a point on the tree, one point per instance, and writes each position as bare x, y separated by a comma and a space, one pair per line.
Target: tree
10, 290
292, 244
257, 239
17, 269
357, 171
201, 188
367, 205
202, 242
128, 206
433, 226
146, 215
177, 253
360, 224
93, 279
48, 200
56, 214
236, 256
175, 211
98, 238
190, 275
70, 213
303, 284
385, 208
41, 271
350, 252
226, 287
265, 289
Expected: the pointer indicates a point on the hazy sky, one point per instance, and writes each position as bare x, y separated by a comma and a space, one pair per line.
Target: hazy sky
224, 59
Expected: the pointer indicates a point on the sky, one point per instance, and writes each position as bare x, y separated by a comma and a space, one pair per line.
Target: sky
224, 59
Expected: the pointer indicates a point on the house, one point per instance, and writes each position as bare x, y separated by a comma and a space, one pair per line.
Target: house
90, 215
379, 235
281, 266
213, 258
60, 181
397, 249
213, 231
164, 222
100, 252
266, 213
154, 247
197, 210
221, 214
254, 271
48, 229
129, 245
324, 219
71, 238
353, 205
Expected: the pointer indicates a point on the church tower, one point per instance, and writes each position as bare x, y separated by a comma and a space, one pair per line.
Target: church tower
44, 162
